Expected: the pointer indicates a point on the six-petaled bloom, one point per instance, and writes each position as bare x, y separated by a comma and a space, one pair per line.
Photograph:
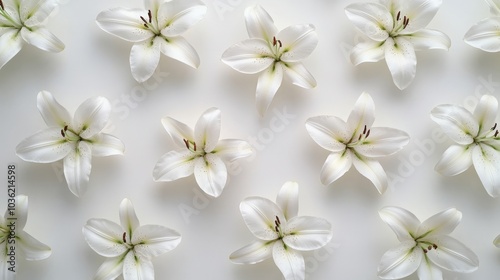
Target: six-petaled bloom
202, 153
155, 30
425, 247
22, 21
395, 30
129, 247
477, 141
485, 34
273, 53
356, 142
74, 140
282, 234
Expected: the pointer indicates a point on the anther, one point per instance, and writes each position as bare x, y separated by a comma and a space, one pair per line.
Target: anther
359, 138
434, 246
186, 143
194, 146
66, 128
281, 45
496, 133
406, 23
143, 19
274, 41
276, 229
1, 5
364, 130
494, 127
429, 248
367, 133
150, 16
278, 220
399, 14
425, 251
124, 237
62, 133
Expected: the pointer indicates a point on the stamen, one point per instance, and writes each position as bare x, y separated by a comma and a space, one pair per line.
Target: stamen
434, 246
62, 133
186, 142
278, 220
364, 130
276, 223
359, 138
1, 5
194, 146
496, 133
425, 251
429, 248
66, 128
281, 45
276, 229
274, 41
406, 23
397, 17
143, 19
494, 127
124, 237
404, 20
367, 133
150, 16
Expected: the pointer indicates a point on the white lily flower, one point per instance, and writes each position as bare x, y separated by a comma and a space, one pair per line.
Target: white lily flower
425, 247
356, 142
22, 21
129, 248
485, 34
281, 233
202, 153
12, 224
74, 140
477, 141
396, 29
273, 53
155, 30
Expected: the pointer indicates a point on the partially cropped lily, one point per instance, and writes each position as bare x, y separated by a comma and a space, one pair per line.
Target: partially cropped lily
425, 247
74, 140
155, 30
485, 34
477, 141
202, 153
14, 240
22, 21
273, 54
395, 30
281, 234
356, 142
129, 248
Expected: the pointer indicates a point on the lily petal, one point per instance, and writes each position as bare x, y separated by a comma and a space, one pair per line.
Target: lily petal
267, 86
372, 170
259, 23
455, 160
137, 267
420, 13
288, 199
452, 255
336, 165
404, 223
400, 261
128, 218
207, 129
484, 35
428, 270
53, 113
458, 123
373, 19
178, 131
5, 273
42, 38
290, 262
401, 60
486, 112
176, 17
91, 117
104, 237
144, 59
441, 223
298, 42
179, 49
253, 253
371, 51
77, 166
125, 24
496, 242
494, 6
21, 211
230, 150
382, 141
486, 161
428, 39
11, 43
44, 146
174, 165
299, 75
153, 240
31, 248
106, 145
306, 233
250, 56
329, 132
363, 114
211, 174
110, 269
260, 215
35, 12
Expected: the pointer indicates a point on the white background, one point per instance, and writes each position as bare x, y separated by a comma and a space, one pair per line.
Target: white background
96, 63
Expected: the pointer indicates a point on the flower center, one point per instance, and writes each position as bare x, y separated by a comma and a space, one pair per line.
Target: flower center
400, 24
129, 245
69, 134
277, 45
361, 138
277, 228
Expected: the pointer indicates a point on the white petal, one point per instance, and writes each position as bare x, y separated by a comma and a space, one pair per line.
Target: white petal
35, 12
400, 261
53, 113
211, 174
486, 112
371, 51
136, 267
428, 39
128, 218
106, 145
419, 12
363, 114
178, 131
260, 215
154, 240
5, 273
496, 242
329, 132
176, 17
110, 269
401, 60
11, 43
249, 56
42, 38
298, 42
485, 35
428, 270
372, 170
382, 141
441, 223
455, 160
290, 262
104, 237
307, 233
288, 199
144, 59
91, 117
21, 212
336, 165
486, 161
458, 123
31, 249
207, 129
452, 255
174, 165
179, 49
259, 23
267, 86
299, 75
230, 150
77, 166
494, 6
372, 19
44, 146
153, 5
253, 253
125, 24
401, 221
